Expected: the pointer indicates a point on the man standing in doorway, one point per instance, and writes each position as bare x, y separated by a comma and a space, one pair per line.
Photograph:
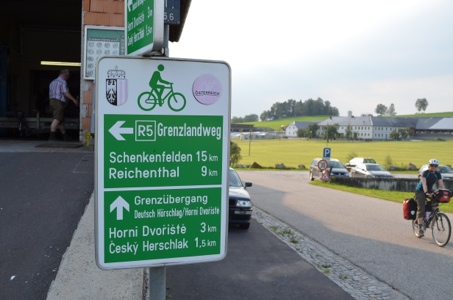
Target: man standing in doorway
58, 95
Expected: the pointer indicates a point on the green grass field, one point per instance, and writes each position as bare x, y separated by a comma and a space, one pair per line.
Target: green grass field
294, 152
393, 196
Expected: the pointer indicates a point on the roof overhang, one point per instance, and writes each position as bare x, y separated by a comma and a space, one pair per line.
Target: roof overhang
176, 30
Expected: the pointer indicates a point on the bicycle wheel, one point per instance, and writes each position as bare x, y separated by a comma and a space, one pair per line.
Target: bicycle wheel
415, 228
441, 228
146, 101
177, 102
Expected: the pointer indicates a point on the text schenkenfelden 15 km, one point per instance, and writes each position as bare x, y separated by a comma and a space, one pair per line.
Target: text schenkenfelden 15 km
146, 158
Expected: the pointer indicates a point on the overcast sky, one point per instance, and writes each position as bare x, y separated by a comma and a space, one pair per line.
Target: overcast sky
354, 53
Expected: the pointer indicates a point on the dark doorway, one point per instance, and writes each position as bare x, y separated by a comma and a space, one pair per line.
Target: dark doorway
32, 31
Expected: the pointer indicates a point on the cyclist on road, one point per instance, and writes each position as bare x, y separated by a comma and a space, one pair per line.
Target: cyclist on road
157, 83
425, 189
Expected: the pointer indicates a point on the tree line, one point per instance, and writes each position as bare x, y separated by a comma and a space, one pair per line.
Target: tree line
382, 110
247, 118
293, 108
318, 107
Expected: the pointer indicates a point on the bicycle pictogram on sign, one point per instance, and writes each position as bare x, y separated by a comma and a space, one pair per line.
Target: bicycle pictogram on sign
161, 91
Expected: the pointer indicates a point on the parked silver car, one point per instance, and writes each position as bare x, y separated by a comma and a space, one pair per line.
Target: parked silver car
338, 169
445, 171
359, 160
370, 170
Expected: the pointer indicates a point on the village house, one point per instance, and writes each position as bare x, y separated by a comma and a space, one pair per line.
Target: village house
368, 127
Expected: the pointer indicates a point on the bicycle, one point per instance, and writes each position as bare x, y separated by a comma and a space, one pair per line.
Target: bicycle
24, 130
148, 100
439, 222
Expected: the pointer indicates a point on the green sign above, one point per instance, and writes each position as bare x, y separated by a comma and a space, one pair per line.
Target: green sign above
162, 160
144, 25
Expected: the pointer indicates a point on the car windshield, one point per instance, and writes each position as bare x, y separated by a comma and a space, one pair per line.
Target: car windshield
335, 164
445, 169
369, 161
235, 181
374, 168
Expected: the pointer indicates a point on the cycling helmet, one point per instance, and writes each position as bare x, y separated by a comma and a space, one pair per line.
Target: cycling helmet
433, 161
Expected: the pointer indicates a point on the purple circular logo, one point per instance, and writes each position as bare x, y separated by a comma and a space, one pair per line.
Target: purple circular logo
206, 89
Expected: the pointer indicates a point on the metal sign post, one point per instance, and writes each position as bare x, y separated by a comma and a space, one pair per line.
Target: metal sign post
326, 153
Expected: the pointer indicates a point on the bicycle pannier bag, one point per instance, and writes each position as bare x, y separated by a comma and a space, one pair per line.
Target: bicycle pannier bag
443, 196
409, 209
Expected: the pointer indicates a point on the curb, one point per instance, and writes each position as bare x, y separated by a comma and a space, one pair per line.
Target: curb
79, 277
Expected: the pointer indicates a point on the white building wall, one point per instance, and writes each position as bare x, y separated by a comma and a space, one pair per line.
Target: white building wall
291, 130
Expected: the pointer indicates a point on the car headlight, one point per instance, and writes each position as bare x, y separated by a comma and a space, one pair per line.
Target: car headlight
243, 203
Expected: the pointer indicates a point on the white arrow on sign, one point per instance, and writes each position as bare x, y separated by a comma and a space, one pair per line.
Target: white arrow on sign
119, 204
117, 130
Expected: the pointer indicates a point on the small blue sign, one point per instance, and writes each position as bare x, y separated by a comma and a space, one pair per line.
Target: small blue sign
172, 12
326, 153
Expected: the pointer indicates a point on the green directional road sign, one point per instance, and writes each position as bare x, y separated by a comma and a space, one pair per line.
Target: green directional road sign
162, 159
144, 28
133, 163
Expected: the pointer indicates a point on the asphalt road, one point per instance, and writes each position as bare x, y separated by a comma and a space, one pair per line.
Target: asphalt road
369, 232
45, 194
257, 266
42, 197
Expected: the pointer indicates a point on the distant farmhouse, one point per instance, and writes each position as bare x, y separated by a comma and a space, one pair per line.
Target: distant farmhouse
241, 127
368, 127
291, 129
245, 131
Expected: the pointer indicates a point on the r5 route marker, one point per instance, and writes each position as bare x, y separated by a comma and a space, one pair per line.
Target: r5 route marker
162, 160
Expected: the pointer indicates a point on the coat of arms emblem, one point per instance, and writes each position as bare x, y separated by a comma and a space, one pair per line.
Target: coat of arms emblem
116, 87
